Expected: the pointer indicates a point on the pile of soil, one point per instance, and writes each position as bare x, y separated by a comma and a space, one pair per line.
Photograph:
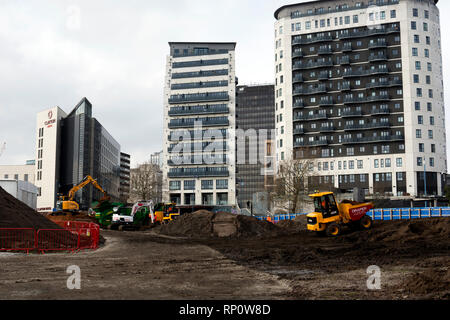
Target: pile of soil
403, 231
429, 282
16, 214
206, 224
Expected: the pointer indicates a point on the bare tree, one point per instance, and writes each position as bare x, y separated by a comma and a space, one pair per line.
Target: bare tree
146, 182
291, 183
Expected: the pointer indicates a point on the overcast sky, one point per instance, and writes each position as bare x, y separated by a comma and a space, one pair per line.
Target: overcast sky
54, 52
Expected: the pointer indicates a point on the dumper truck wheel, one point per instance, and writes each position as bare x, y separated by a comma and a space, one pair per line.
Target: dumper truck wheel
366, 222
333, 230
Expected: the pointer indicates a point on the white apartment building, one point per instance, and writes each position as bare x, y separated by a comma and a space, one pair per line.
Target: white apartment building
25, 172
200, 89
359, 89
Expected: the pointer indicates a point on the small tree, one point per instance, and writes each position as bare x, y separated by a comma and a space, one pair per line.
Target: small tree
146, 182
291, 183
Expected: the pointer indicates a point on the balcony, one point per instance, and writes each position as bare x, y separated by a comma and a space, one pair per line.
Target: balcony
390, 138
299, 131
327, 129
350, 100
351, 114
310, 91
345, 60
198, 74
199, 85
378, 44
346, 86
349, 73
311, 65
378, 57
198, 147
194, 53
297, 78
194, 110
308, 117
198, 172
326, 102
205, 122
380, 111
324, 51
366, 126
323, 75
297, 54
347, 47
378, 97
299, 104
197, 134
199, 160
199, 97
299, 144
298, 40
382, 84
368, 33
199, 63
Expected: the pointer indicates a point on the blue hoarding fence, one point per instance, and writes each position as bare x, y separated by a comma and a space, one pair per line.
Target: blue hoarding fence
379, 214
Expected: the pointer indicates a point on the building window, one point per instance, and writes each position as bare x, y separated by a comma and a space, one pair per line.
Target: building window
425, 26
207, 184
430, 134
355, 18
418, 66
428, 80
420, 119
419, 92
415, 12
429, 66
175, 185
416, 38
189, 185
416, 78
431, 162
393, 14
418, 133
360, 164
433, 148
428, 40
413, 25
419, 161
376, 163
417, 105
222, 184
429, 106
415, 52
399, 162
421, 147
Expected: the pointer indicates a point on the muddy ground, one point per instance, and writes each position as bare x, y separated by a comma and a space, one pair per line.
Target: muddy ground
413, 257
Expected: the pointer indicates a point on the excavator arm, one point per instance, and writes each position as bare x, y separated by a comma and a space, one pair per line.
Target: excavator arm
82, 184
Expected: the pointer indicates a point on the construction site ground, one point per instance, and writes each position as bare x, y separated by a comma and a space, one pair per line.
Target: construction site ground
293, 264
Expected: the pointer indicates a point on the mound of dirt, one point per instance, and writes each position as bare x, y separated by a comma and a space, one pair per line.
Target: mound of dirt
429, 282
291, 226
403, 231
81, 217
16, 214
206, 224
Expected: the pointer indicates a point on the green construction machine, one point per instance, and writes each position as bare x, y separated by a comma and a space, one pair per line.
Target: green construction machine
103, 212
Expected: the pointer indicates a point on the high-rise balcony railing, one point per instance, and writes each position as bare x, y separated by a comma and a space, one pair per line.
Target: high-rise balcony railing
311, 65
347, 47
378, 97
378, 57
351, 114
368, 33
299, 104
378, 44
381, 84
198, 146
298, 40
299, 131
326, 129
328, 101
324, 50
297, 78
199, 97
349, 73
311, 90
316, 143
199, 63
388, 138
297, 54
308, 117
178, 135
193, 110
199, 85
205, 122
323, 75
199, 74
198, 172
378, 125
198, 160
378, 111
344, 60
194, 53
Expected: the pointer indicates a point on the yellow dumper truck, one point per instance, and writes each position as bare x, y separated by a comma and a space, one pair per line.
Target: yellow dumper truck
329, 216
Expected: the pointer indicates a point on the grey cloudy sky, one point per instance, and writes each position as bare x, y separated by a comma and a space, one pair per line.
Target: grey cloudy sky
115, 55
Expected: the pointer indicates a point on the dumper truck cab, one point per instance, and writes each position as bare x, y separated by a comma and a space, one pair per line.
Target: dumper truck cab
329, 216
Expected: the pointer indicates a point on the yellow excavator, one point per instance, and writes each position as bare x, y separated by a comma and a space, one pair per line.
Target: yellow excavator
67, 203
329, 216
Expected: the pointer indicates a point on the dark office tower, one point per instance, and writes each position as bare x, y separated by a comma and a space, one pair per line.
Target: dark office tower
359, 91
70, 147
255, 110
124, 177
